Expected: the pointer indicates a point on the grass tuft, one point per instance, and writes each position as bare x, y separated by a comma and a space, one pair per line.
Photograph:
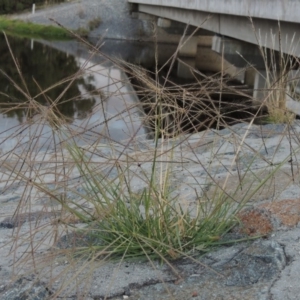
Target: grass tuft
148, 223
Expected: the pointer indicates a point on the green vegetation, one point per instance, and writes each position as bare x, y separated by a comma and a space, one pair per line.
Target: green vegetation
13, 6
31, 30
93, 24
81, 31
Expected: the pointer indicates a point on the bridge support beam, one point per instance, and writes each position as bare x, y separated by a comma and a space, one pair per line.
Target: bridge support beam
185, 68
255, 31
189, 47
210, 61
279, 90
239, 53
164, 23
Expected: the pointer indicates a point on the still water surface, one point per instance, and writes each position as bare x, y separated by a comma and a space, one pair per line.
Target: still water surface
92, 96
98, 102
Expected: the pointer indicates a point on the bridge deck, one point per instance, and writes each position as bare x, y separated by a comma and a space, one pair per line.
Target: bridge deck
283, 10
274, 24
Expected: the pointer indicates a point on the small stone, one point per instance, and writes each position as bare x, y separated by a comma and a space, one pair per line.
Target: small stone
194, 294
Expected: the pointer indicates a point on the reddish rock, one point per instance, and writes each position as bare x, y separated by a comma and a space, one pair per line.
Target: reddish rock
255, 222
287, 211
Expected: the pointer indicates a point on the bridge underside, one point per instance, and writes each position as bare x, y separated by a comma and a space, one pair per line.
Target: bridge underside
267, 33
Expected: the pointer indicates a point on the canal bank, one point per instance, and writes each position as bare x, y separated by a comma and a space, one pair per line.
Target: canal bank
105, 19
102, 19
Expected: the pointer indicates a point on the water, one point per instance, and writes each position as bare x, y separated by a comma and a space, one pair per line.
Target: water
94, 100
92, 96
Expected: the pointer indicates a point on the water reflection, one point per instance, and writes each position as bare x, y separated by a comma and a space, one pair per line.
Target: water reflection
100, 103
41, 69
96, 102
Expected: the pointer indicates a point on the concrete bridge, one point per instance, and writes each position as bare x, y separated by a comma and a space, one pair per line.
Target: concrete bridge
274, 24
229, 26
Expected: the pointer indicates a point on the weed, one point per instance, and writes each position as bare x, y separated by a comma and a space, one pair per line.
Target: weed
93, 24
81, 31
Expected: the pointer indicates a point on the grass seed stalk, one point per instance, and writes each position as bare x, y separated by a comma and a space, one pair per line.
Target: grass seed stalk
123, 200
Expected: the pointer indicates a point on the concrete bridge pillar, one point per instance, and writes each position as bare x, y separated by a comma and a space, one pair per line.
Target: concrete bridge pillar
187, 57
185, 66
273, 89
256, 80
239, 53
268, 85
164, 23
189, 47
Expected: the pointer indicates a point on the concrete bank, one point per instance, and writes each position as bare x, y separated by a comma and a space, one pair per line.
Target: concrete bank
263, 269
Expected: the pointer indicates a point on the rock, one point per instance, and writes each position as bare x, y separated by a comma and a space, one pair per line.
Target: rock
19, 219
25, 289
260, 269
238, 272
261, 261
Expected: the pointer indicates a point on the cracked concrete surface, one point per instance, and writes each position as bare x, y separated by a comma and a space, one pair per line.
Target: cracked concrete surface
267, 268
